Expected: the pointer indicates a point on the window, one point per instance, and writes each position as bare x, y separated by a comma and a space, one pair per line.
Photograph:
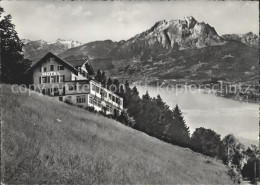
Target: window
44, 69
99, 103
105, 94
102, 92
62, 78
110, 96
90, 100
51, 67
51, 59
97, 89
40, 80
56, 91
49, 91
81, 99
113, 98
60, 68
109, 108
44, 79
52, 79
72, 87
58, 78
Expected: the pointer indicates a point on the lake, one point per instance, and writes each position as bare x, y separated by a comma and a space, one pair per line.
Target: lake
222, 115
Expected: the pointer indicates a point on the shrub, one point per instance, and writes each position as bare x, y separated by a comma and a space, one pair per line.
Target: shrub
80, 106
207, 142
91, 109
233, 152
235, 174
126, 119
68, 102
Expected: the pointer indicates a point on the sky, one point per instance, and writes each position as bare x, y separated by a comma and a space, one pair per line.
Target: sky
87, 21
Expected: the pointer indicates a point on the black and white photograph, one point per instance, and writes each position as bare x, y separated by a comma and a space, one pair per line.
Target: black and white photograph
129, 92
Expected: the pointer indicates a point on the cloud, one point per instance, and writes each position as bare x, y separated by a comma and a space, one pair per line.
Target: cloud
87, 21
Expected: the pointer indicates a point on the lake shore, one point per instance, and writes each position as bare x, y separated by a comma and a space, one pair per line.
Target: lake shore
244, 92
205, 109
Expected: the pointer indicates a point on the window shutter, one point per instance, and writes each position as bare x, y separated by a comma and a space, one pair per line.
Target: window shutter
63, 78
48, 79
58, 79
40, 78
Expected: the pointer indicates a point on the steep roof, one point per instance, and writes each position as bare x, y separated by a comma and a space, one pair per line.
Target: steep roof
61, 61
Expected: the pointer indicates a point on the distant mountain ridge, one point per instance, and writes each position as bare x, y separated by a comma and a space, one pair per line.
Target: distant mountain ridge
178, 49
249, 38
34, 50
96, 49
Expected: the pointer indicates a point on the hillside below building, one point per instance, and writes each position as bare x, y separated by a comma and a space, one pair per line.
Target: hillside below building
66, 144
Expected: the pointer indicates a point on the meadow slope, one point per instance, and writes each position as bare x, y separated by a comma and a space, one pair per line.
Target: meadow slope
87, 148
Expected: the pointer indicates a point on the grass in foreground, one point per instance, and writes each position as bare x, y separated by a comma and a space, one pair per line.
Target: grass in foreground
86, 148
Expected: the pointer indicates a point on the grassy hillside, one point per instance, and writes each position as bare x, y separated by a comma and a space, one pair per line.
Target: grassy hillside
46, 141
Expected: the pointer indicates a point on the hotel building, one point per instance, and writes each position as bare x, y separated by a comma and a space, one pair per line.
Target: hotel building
72, 81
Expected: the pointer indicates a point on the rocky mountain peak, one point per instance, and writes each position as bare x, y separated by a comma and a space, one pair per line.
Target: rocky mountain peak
190, 21
165, 36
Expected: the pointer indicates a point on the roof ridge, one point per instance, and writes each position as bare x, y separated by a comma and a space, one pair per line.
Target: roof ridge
42, 60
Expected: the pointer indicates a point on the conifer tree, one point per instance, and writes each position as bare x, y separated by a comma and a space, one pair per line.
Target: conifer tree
177, 114
127, 86
180, 125
98, 76
161, 103
146, 96
103, 79
109, 83
135, 91
12, 64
